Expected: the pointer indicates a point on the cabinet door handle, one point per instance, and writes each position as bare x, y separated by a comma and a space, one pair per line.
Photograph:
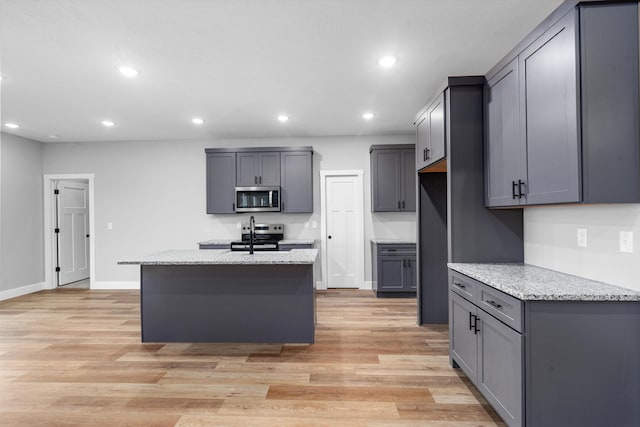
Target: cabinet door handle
260, 180
424, 154
460, 285
427, 151
398, 204
475, 325
520, 184
255, 179
403, 204
233, 206
471, 316
494, 304
513, 190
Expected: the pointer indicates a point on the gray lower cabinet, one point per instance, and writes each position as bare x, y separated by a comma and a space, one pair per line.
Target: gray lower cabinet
430, 133
394, 269
221, 182
258, 169
561, 111
393, 178
547, 362
296, 175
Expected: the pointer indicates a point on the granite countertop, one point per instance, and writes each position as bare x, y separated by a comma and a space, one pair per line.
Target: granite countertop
531, 283
223, 257
217, 242
281, 242
392, 241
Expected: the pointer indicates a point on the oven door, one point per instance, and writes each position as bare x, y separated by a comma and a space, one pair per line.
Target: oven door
257, 199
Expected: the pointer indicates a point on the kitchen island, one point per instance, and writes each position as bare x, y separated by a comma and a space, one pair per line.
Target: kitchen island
224, 296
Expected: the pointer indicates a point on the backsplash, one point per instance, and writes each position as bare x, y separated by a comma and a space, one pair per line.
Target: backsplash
550, 241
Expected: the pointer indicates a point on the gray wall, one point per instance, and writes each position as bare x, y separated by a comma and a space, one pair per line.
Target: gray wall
154, 194
21, 213
550, 235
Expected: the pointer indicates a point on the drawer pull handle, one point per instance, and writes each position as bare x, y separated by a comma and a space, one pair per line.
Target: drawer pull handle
471, 316
460, 285
493, 303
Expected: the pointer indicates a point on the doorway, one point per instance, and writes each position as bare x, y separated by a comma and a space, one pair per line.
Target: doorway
69, 230
342, 228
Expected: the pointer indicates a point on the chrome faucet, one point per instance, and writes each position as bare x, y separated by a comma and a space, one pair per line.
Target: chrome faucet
252, 233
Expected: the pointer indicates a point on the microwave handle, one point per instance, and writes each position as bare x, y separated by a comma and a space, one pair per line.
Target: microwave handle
270, 198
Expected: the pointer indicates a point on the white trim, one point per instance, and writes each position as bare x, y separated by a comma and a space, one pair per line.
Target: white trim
23, 290
359, 174
368, 285
103, 284
49, 241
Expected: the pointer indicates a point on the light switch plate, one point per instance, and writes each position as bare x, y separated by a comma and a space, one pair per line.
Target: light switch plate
306, 224
582, 237
109, 226
626, 242
238, 225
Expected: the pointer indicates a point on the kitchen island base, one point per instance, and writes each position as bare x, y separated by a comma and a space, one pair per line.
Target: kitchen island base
227, 303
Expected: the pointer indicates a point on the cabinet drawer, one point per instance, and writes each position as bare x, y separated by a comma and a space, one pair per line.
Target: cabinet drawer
396, 249
463, 286
502, 306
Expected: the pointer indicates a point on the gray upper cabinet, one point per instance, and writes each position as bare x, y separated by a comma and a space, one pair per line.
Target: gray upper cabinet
562, 111
296, 181
430, 134
393, 179
506, 157
221, 174
258, 169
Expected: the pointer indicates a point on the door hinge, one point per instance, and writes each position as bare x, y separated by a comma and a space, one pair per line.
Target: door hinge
57, 269
56, 191
56, 230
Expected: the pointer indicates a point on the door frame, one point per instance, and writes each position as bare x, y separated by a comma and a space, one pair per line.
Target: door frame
49, 221
358, 174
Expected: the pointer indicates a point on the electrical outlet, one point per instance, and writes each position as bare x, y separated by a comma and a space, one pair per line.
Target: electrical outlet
314, 224
306, 224
109, 226
626, 242
582, 237
238, 225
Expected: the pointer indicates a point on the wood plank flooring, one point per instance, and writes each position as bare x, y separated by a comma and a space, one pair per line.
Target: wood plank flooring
74, 357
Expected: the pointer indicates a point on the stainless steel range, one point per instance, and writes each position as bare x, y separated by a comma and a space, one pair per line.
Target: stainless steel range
266, 237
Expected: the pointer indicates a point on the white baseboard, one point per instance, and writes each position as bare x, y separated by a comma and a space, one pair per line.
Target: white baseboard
367, 286
116, 285
320, 285
23, 290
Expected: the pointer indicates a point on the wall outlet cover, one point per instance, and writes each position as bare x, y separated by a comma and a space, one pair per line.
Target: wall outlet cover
314, 224
626, 242
109, 226
582, 237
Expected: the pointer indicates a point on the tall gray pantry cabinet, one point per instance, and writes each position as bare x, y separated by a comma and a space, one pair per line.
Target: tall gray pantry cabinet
453, 223
562, 111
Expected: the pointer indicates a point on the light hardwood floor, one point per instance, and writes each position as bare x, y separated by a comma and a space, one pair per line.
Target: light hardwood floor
74, 357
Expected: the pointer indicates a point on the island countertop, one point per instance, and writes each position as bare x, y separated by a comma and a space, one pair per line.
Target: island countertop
531, 283
223, 257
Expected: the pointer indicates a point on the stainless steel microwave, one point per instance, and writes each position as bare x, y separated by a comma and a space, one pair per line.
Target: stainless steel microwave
257, 199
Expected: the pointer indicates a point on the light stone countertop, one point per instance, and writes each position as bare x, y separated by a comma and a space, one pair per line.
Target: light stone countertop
217, 242
531, 283
224, 257
394, 241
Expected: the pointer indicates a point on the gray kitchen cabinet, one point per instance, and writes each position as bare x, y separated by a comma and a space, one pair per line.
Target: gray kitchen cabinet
258, 169
296, 176
393, 180
488, 351
573, 82
430, 134
394, 269
221, 174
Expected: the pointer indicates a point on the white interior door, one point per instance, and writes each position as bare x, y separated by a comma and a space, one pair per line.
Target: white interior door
73, 237
343, 229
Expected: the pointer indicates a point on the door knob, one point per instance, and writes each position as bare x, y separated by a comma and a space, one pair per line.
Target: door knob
87, 235
328, 237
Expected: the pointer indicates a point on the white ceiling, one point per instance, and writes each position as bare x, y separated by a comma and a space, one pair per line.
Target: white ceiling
240, 63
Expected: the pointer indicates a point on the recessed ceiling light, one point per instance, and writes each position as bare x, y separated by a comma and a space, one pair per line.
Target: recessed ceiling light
387, 61
283, 118
108, 123
197, 120
367, 116
12, 125
127, 71
53, 136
